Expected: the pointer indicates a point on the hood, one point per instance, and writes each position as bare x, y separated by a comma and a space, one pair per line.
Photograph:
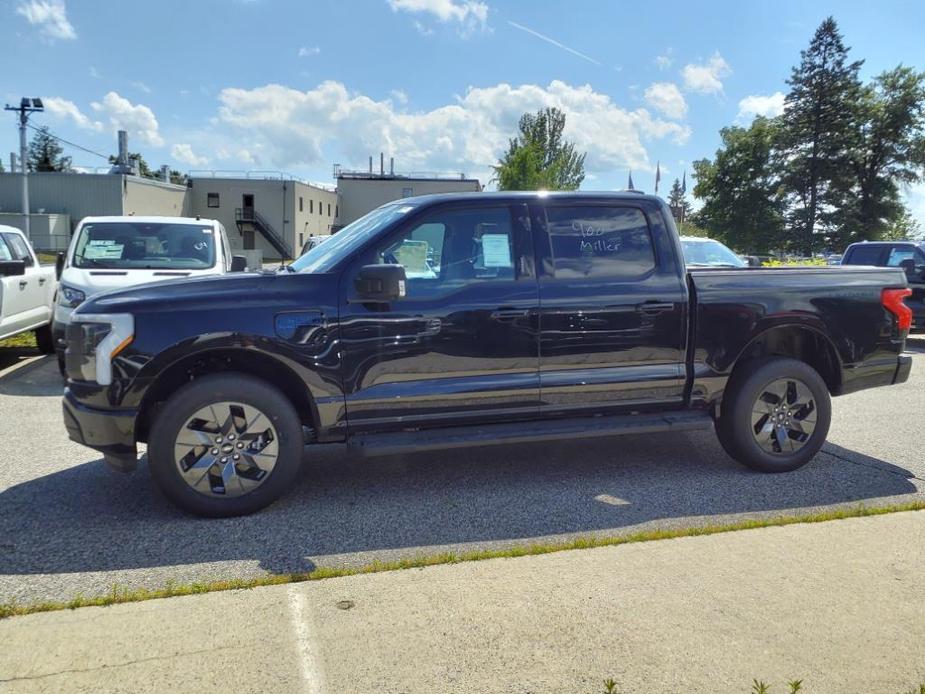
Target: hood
210, 293
94, 280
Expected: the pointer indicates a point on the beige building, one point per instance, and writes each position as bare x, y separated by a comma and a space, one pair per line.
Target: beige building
361, 192
83, 195
273, 215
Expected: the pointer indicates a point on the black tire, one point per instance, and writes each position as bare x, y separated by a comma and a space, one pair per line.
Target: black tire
211, 390
45, 340
741, 426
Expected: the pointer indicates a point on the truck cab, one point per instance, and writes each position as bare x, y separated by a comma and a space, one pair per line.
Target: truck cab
27, 289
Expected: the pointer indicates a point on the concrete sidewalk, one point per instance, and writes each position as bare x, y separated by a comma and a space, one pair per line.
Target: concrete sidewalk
840, 605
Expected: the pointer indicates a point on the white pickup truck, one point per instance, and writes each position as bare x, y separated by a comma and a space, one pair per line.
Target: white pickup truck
27, 290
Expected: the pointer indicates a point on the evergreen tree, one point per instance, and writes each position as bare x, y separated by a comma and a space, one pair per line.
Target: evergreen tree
888, 150
820, 121
678, 202
539, 158
742, 202
45, 154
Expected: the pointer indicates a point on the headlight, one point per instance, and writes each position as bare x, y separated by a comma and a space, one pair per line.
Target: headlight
70, 297
94, 340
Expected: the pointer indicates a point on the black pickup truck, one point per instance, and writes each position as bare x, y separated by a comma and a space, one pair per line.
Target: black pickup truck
473, 319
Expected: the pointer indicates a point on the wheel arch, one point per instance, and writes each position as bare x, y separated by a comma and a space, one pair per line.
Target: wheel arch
226, 360
797, 341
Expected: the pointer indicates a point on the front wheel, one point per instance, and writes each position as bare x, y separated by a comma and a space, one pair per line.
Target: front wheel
44, 339
225, 445
775, 414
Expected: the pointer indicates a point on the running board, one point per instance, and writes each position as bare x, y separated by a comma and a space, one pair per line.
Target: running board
392, 443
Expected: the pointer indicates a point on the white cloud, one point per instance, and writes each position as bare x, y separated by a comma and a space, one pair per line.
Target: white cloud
290, 127
184, 152
141, 86
667, 98
137, 119
706, 78
399, 96
664, 60
65, 109
94, 73
50, 16
770, 106
305, 51
468, 15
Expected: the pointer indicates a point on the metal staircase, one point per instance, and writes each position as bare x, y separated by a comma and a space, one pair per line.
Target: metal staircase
248, 219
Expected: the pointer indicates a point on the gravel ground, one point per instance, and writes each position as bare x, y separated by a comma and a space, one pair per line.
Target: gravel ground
69, 526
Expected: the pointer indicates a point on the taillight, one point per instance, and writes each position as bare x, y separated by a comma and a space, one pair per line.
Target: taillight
892, 300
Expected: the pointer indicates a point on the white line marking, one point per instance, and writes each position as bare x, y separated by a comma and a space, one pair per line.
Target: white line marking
300, 615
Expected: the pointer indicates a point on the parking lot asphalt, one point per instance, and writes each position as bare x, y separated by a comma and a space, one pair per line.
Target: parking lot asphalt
69, 526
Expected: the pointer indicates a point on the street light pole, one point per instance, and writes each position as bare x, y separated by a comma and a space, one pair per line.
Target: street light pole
25, 109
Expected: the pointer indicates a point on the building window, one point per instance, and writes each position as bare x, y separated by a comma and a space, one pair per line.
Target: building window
300, 203
212, 199
336, 211
311, 206
329, 209
301, 241
320, 204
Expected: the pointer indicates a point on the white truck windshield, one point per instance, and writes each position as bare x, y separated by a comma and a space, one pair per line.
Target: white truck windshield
145, 245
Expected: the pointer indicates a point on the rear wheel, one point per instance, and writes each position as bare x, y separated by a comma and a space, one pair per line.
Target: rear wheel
45, 340
775, 414
225, 445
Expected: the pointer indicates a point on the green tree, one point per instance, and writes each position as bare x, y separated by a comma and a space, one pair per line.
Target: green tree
820, 119
179, 178
888, 150
539, 157
678, 202
45, 154
740, 189
904, 227
1, 166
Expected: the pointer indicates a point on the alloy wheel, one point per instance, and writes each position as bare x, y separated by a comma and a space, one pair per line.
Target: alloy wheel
226, 449
784, 416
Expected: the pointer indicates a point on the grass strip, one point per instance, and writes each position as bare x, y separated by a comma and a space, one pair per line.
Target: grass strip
120, 595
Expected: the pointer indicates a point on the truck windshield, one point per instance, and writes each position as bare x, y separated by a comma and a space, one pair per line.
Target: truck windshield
145, 245
710, 253
324, 256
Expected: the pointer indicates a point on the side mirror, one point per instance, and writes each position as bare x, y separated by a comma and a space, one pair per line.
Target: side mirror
753, 261
12, 268
238, 263
59, 265
380, 283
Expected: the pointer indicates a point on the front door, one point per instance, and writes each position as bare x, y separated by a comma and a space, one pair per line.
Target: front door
247, 205
461, 346
613, 311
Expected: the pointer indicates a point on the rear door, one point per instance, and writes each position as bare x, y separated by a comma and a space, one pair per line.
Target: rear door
613, 307
461, 346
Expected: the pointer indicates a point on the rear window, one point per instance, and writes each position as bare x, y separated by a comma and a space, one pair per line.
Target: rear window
864, 255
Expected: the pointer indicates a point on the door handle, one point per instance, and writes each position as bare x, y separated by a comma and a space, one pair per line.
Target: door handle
510, 313
41, 281
23, 284
655, 306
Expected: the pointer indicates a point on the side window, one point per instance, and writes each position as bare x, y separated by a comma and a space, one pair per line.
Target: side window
864, 255
597, 241
19, 249
447, 250
212, 199
4, 250
897, 255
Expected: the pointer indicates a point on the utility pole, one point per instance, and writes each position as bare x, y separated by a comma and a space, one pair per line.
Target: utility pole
26, 108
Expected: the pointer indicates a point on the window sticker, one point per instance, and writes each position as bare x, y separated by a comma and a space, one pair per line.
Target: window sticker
496, 251
102, 249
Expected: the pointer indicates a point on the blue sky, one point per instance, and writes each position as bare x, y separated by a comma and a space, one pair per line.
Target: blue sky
438, 84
